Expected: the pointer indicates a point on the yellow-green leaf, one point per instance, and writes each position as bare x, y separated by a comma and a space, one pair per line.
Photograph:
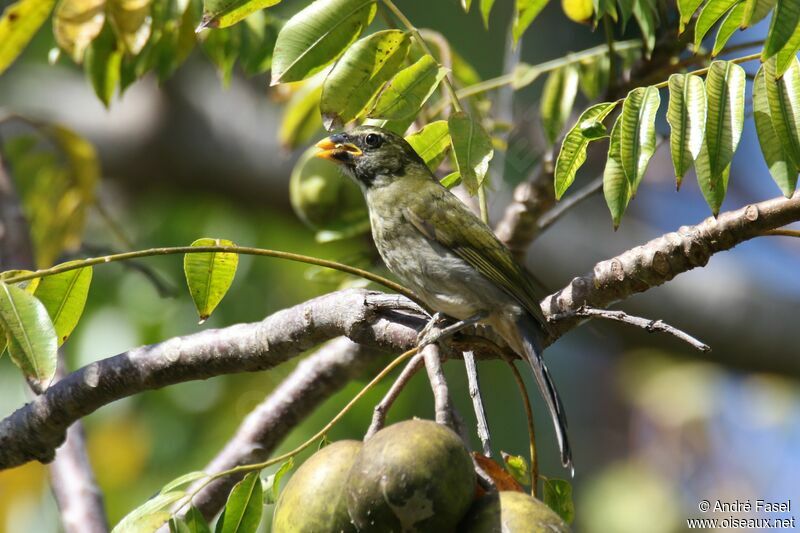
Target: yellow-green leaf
301, 119
131, 21
788, 54
243, 509
192, 522
728, 27
558, 96
149, 516
359, 74
616, 187
209, 275
76, 23
783, 96
686, 8
713, 185
317, 35
29, 285
18, 25
558, 496
755, 11
431, 142
781, 167
408, 91
486, 10
785, 20
686, 115
573, 148
638, 132
224, 13
29, 332
64, 296
525, 11
472, 147
102, 64
709, 15
594, 73
645, 15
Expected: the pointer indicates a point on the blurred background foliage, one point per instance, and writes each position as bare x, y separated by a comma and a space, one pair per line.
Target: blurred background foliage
199, 154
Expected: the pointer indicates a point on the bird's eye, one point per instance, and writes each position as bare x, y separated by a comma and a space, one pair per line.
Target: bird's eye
373, 140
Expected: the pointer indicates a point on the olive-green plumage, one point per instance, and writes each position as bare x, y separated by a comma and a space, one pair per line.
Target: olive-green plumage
442, 251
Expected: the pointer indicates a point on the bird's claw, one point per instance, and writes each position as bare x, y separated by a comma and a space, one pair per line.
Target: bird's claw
432, 330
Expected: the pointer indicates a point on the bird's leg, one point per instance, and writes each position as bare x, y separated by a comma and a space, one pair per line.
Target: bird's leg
432, 333
431, 329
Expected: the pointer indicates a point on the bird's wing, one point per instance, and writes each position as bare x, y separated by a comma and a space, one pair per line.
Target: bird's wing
447, 221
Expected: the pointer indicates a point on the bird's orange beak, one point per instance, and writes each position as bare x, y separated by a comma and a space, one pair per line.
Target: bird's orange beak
338, 152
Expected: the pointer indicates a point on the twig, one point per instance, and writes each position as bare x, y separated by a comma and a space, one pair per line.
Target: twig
477, 402
783, 233
526, 402
646, 324
381, 410
550, 217
441, 394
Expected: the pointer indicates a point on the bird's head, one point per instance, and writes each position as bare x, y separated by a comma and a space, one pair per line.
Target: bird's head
373, 156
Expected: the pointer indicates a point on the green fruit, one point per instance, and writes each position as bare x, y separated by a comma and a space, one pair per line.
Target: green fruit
313, 499
511, 512
412, 476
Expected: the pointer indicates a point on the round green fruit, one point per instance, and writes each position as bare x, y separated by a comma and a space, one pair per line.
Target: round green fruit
313, 499
511, 512
412, 476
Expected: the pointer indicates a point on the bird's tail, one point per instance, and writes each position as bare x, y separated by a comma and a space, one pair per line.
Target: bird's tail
529, 332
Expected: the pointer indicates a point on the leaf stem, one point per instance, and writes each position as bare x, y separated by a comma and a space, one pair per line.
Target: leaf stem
483, 203
704, 70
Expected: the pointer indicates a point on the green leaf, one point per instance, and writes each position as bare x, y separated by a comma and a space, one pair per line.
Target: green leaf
259, 34
76, 23
64, 296
29, 332
431, 142
242, 512
783, 96
686, 115
183, 480
472, 147
273, 484
317, 35
645, 15
224, 13
451, 180
709, 15
594, 75
149, 516
755, 11
638, 132
788, 53
359, 75
616, 187
131, 21
209, 275
29, 286
725, 84
781, 167
486, 10
525, 12
193, 522
517, 466
103, 60
558, 96
728, 27
301, 119
558, 496
573, 148
626, 10
18, 25
408, 91
784, 23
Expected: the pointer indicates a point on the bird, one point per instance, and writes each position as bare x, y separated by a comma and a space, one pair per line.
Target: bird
443, 252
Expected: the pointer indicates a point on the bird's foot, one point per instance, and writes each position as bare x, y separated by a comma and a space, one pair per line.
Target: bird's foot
432, 330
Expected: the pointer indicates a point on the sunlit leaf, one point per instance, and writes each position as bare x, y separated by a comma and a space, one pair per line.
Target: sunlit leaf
209, 275
406, 93
725, 84
185, 479
486, 10
64, 296
785, 20
712, 11
223, 13
594, 75
638, 132
29, 332
788, 54
359, 74
472, 148
645, 15
616, 187
573, 148
518, 467
76, 23
18, 25
755, 11
686, 8
102, 63
272, 486
525, 11
728, 27
451, 180
172, 38
431, 142
192, 522
317, 35
558, 496
558, 96
686, 115
131, 21
242, 512
502, 480
783, 170
301, 119
29, 286
149, 516
259, 34
783, 96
